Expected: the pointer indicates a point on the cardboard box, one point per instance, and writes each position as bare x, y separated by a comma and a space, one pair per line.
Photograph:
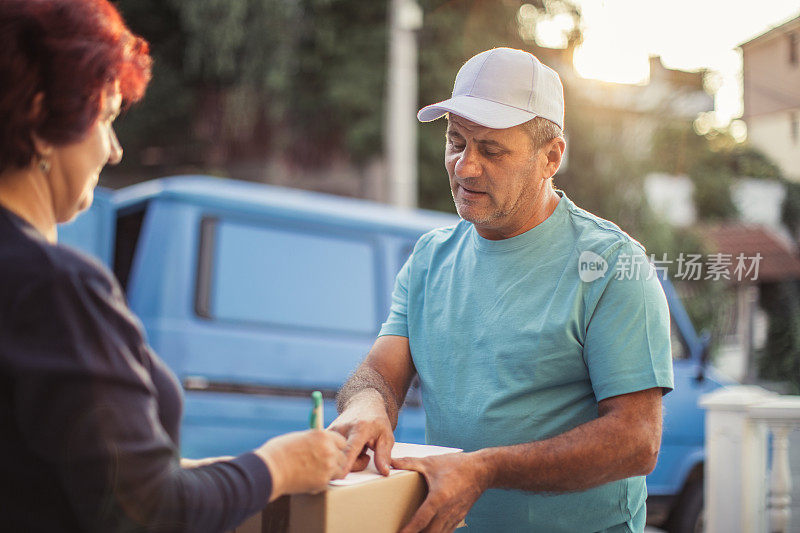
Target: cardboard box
378, 506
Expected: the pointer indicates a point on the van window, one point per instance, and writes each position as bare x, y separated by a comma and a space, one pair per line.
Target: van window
129, 227
297, 279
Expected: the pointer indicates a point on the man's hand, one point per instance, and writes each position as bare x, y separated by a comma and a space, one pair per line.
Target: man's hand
455, 482
303, 461
365, 424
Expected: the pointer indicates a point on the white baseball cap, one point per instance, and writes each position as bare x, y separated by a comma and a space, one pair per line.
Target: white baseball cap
501, 88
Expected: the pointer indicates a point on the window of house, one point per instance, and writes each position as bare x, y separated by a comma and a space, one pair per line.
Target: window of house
285, 277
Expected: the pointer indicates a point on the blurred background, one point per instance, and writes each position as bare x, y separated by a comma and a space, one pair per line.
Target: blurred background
682, 124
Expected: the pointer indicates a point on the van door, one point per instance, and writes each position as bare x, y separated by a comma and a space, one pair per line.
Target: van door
287, 307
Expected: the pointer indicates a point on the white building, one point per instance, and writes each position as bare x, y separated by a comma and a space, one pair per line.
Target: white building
771, 91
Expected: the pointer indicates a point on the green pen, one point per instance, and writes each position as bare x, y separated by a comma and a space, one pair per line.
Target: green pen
317, 414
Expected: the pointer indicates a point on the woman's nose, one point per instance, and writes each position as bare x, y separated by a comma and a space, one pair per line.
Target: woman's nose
116, 149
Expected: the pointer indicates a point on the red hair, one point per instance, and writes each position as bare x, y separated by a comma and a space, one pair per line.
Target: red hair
69, 51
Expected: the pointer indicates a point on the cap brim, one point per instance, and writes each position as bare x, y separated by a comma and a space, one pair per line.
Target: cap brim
484, 112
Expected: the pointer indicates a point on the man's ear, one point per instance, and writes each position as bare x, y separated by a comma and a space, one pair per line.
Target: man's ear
555, 153
43, 148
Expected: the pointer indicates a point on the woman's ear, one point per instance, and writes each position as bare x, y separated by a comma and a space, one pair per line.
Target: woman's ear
43, 148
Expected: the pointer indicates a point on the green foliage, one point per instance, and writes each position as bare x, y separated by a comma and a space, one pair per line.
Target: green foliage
336, 95
790, 210
780, 359
709, 160
160, 122
712, 161
751, 162
713, 177
676, 148
302, 80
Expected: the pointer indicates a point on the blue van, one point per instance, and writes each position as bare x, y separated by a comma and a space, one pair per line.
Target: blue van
257, 295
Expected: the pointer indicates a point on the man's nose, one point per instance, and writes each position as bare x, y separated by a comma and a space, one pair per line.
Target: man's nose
468, 165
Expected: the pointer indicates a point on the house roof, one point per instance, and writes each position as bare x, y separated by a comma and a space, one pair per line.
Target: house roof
777, 263
780, 28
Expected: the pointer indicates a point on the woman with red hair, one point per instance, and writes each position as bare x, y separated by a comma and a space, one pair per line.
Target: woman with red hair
89, 415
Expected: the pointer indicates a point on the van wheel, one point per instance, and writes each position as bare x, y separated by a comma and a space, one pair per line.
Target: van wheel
687, 517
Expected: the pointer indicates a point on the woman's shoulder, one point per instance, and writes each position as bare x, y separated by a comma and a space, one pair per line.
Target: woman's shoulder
26, 262
60, 293
69, 263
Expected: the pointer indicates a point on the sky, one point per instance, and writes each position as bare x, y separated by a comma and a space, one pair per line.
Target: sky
620, 35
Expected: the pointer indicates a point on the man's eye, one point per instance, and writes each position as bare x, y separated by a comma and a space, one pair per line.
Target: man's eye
457, 145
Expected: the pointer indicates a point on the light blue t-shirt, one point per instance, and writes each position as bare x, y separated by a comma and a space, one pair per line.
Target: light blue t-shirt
516, 341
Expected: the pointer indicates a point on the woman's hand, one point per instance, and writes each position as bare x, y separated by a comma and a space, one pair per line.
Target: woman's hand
304, 461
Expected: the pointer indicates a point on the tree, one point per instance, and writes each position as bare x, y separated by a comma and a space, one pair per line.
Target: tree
790, 210
780, 358
253, 79
712, 161
301, 81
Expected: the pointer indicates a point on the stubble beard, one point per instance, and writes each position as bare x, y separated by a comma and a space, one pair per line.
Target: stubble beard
494, 212
463, 210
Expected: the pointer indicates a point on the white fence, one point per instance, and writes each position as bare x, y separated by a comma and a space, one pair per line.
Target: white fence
748, 480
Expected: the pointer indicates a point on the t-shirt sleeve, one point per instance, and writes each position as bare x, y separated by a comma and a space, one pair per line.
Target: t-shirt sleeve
85, 402
627, 343
397, 321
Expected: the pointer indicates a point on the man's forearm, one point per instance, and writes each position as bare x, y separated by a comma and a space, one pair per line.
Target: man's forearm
366, 378
600, 451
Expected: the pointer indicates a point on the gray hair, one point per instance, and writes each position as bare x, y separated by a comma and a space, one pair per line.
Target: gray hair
541, 131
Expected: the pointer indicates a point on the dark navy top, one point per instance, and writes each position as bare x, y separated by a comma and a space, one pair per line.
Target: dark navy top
89, 415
